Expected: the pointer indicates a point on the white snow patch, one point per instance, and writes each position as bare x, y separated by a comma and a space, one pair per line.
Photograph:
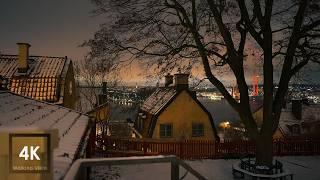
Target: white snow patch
303, 167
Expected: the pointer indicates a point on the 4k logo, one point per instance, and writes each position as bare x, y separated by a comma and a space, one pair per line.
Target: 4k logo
29, 153
33, 153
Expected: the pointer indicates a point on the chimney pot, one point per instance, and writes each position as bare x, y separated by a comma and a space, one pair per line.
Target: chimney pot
181, 81
23, 57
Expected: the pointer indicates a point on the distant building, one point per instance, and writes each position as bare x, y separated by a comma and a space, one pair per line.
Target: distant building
120, 129
100, 113
43, 78
298, 119
174, 112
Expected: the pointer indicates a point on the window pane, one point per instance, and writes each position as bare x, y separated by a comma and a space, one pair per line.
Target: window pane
197, 130
165, 130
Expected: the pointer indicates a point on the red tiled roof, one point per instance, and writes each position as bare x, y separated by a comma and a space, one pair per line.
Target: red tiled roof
43, 80
39, 66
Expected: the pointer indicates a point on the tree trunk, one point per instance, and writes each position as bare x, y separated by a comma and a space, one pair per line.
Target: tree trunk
264, 150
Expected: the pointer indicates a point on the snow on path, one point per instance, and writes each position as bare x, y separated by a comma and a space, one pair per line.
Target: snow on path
303, 167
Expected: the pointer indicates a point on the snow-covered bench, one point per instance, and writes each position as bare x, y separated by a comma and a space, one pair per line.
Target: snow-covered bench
240, 173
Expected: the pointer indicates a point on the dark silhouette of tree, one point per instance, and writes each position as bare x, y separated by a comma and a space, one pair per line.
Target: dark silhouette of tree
218, 34
90, 74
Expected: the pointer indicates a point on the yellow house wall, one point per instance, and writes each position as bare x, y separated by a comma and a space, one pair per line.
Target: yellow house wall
278, 134
182, 112
258, 116
100, 114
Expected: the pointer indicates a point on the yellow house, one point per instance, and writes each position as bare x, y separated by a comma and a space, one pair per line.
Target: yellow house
291, 122
173, 112
100, 113
258, 116
43, 78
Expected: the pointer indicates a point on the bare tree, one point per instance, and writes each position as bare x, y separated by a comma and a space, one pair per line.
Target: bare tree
218, 34
91, 73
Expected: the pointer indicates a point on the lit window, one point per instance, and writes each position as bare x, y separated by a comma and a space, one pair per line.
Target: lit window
165, 130
70, 87
197, 129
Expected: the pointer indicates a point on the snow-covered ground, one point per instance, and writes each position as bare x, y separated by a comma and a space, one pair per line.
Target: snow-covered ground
303, 168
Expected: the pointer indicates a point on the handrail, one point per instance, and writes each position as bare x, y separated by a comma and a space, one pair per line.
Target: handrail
78, 170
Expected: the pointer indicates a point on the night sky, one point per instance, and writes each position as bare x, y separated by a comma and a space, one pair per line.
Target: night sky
52, 27
57, 28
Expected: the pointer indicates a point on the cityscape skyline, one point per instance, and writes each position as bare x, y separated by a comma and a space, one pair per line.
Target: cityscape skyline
59, 28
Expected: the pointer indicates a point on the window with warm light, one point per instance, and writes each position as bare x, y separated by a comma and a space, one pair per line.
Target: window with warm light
70, 87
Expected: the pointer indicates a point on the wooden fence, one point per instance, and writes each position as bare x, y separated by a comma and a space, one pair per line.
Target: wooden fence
201, 149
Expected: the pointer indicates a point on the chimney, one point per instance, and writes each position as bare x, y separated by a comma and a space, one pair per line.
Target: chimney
168, 80
23, 57
104, 87
181, 81
3, 83
297, 108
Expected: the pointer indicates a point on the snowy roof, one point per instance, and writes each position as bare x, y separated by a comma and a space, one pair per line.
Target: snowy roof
120, 129
122, 112
287, 119
310, 114
19, 111
158, 99
256, 103
42, 80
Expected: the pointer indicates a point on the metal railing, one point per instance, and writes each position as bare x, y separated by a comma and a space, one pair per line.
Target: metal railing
80, 168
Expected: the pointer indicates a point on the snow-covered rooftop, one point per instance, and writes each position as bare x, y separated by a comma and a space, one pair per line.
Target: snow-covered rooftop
158, 99
310, 114
19, 111
302, 167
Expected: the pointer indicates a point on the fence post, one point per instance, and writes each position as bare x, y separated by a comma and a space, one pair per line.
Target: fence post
311, 147
181, 149
174, 170
144, 147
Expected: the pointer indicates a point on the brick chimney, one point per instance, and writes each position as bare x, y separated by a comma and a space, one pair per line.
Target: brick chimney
168, 80
297, 108
181, 81
23, 57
